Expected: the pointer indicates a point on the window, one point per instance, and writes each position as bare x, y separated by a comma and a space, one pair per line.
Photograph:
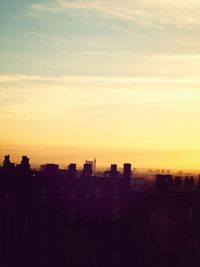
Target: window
71, 214
45, 192
97, 192
61, 192
116, 212
61, 213
190, 241
99, 214
87, 194
116, 193
72, 193
43, 240
43, 216
190, 214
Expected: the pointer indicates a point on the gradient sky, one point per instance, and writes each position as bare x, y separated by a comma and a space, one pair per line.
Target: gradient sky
114, 80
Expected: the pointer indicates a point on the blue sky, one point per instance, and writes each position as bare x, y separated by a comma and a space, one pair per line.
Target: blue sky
103, 38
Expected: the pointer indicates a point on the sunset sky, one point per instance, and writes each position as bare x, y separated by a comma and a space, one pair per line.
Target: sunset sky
110, 79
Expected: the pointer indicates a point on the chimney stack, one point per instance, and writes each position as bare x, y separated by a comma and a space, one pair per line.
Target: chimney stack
127, 170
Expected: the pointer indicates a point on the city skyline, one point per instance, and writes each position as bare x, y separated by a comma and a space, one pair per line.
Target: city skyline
72, 217
96, 79
99, 169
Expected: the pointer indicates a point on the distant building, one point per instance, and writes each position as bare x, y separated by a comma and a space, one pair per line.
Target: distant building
163, 182
93, 163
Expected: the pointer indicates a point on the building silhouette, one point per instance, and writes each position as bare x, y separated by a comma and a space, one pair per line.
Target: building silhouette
53, 217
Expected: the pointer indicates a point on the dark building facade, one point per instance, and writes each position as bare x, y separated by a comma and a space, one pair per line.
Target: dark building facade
62, 218
73, 218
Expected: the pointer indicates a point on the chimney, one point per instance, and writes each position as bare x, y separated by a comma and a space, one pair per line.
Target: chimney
6, 163
127, 170
113, 170
72, 171
87, 170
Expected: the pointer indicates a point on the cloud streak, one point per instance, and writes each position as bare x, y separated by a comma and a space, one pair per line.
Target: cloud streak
177, 57
145, 12
15, 78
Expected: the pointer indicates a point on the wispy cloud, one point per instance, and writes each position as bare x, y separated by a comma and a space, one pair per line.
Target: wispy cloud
177, 57
146, 12
15, 78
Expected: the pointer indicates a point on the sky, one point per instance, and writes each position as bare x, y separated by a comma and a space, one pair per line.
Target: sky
114, 80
